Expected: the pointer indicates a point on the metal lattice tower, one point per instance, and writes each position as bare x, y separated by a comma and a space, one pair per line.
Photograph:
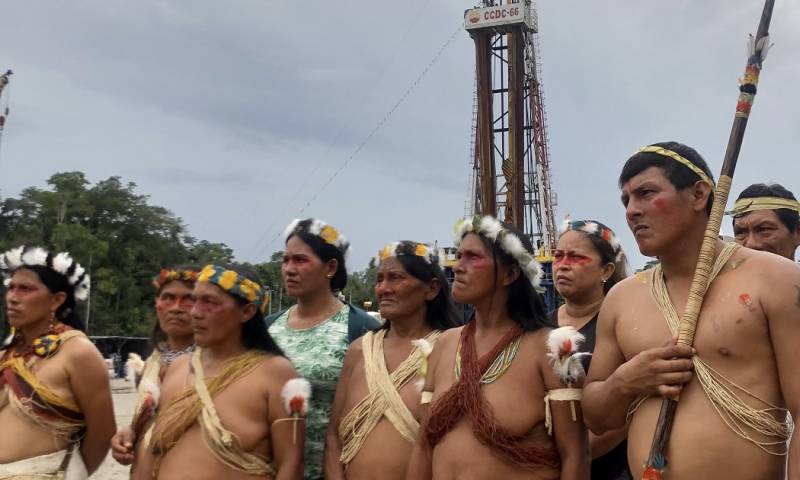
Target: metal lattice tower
510, 155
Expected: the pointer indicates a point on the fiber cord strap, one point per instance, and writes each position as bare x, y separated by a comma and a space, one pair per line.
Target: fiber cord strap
705, 264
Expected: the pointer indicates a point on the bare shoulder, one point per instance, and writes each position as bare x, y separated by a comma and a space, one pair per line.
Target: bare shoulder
767, 266
81, 351
632, 286
275, 369
449, 337
356, 348
535, 343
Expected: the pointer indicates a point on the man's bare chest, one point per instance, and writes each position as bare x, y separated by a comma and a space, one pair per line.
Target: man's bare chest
731, 328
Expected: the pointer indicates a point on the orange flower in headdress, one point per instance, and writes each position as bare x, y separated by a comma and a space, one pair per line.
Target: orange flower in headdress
329, 234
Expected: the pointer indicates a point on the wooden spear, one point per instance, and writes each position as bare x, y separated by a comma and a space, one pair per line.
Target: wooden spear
657, 461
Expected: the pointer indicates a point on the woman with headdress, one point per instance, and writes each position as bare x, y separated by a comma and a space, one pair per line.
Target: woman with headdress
55, 398
172, 336
316, 332
587, 262
495, 387
373, 424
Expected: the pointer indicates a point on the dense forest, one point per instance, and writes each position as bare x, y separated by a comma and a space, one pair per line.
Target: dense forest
124, 240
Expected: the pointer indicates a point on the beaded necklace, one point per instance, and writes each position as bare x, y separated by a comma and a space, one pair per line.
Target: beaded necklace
168, 356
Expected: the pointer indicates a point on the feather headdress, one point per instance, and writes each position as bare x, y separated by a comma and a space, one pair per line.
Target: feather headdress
596, 229
61, 263
427, 252
314, 226
491, 228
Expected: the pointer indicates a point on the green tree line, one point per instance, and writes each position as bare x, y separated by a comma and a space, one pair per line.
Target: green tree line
123, 240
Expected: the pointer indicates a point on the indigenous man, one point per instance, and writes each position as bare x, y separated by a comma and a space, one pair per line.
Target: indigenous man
172, 337
737, 388
377, 394
56, 416
487, 383
765, 217
221, 414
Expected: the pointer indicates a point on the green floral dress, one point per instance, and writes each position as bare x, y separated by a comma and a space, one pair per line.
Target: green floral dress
317, 354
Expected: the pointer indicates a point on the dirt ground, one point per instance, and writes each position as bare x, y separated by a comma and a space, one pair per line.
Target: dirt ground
124, 398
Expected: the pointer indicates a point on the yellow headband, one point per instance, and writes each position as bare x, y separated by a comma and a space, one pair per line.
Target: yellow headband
678, 158
747, 205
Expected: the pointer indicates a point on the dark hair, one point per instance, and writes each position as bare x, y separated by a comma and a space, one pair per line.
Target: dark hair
679, 175
55, 282
325, 252
441, 312
607, 255
254, 331
789, 218
525, 305
157, 335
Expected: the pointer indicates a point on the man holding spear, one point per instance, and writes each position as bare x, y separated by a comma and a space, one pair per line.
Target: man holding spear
738, 385
736, 389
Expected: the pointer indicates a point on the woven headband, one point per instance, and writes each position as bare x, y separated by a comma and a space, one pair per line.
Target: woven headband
747, 205
235, 284
680, 159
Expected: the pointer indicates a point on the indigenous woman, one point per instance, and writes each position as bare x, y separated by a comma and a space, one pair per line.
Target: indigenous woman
172, 337
55, 399
587, 262
486, 381
378, 400
316, 332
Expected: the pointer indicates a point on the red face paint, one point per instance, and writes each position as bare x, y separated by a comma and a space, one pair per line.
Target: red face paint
745, 298
570, 259
660, 204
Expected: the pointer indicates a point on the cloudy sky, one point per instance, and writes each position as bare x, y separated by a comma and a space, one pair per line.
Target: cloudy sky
236, 115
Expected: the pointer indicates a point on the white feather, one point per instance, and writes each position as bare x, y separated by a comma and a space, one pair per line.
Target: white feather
424, 346
460, 229
566, 224
9, 338
533, 271
149, 386
13, 258
76, 275
343, 244
296, 387
490, 227
35, 256
290, 228
435, 255
316, 226
134, 367
591, 228
764, 46
82, 289
513, 245
566, 364
62, 262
